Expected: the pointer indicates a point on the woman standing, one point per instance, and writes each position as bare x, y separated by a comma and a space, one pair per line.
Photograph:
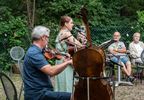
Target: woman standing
64, 81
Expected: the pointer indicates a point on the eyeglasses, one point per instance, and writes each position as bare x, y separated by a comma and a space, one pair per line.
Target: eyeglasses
46, 36
116, 35
136, 36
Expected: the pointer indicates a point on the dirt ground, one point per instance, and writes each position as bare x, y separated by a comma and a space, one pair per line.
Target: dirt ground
135, 92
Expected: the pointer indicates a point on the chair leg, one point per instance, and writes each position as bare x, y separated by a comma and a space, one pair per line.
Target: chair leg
141, 74
21, 89
137, 74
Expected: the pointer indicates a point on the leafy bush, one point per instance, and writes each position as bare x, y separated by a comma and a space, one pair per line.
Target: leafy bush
13, 32
140, 24
104, 15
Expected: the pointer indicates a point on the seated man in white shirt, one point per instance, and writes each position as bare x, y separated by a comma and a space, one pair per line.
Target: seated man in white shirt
136, 47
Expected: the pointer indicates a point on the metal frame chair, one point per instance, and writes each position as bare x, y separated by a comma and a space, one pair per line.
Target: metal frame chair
139, 71
139, 67
9, 87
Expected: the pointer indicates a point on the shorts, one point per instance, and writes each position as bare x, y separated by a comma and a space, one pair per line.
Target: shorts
123, 59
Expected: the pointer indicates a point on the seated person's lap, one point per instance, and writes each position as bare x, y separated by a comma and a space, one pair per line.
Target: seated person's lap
48, 95
51, 95
123, 59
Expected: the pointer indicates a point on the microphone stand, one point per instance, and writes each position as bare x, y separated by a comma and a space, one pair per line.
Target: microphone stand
113, 81
112, 77
112, 66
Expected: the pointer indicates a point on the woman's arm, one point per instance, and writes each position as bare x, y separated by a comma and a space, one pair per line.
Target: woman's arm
72, 40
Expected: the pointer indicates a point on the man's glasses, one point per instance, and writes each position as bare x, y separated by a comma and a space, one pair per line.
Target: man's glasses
116, 35
46, 36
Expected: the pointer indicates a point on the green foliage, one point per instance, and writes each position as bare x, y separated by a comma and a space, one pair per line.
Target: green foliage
104, 17
140, 23
140, 16
12, 33
4, 61
52, 61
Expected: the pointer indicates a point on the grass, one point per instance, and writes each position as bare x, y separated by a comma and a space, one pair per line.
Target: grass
134, 92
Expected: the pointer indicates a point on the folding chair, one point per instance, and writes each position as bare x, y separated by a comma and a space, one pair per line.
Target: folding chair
139, 66
9, 87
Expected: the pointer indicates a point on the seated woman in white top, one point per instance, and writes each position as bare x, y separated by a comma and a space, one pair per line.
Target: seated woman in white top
136, 47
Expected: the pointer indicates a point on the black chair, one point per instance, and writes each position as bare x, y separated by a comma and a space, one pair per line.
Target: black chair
139, 67
139, 71
9, 87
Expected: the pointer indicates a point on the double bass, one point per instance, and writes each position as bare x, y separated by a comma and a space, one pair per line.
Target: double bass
88, 65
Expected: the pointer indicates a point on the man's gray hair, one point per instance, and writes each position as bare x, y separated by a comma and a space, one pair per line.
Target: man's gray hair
40, 31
